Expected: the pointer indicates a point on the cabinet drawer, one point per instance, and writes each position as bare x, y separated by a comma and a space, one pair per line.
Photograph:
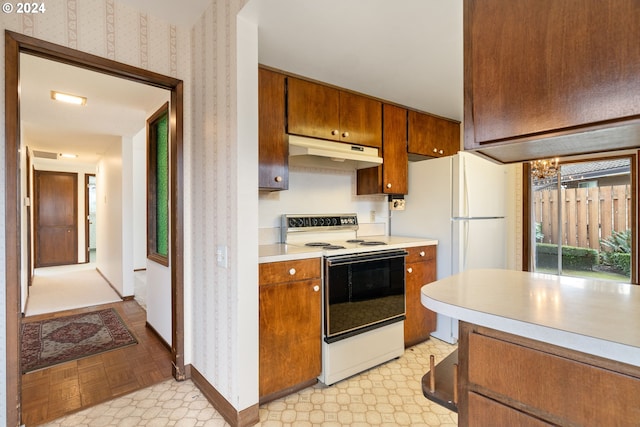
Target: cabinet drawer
487, 412
421, 253
289, 271
551, 386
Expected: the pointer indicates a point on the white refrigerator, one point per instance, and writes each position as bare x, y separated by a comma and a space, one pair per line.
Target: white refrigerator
460, 201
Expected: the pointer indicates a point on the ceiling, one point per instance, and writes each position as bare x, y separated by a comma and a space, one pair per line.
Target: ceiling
408, 52
115, 108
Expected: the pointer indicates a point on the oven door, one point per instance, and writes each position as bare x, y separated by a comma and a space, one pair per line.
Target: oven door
363, 292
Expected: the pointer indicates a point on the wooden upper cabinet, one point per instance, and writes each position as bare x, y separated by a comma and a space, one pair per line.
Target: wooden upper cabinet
392, 176
273, 146
544, 68
432, 136
320, 111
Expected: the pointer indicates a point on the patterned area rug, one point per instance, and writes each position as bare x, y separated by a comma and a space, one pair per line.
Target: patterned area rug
53, 341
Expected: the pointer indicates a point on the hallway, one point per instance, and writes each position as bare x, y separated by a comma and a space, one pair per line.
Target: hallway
68, 287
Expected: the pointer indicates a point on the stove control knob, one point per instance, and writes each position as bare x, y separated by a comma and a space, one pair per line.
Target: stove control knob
316, 288
314, 221
292, 271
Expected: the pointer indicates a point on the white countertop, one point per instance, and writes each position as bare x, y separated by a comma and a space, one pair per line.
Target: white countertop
593, 316
283, 252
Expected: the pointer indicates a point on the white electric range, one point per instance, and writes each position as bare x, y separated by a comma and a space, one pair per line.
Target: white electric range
363, 292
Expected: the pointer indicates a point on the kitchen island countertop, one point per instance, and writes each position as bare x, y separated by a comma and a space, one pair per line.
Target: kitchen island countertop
596, 317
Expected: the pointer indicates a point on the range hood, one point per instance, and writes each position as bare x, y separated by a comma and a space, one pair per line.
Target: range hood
319, 152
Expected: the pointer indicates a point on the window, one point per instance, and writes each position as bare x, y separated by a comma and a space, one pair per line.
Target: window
584, 219
158, 186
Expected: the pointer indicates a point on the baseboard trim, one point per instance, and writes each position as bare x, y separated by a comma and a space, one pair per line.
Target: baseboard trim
245, 418
109, 283
153, 330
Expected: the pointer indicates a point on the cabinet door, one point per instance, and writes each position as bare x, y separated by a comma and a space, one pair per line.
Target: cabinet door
391, 176
432, 136
313, 109
290, 335
526, 74
273, 147
420, 321
360, 120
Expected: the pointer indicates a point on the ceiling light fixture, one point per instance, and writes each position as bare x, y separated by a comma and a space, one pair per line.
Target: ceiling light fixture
68, 155
545, 168
71, 99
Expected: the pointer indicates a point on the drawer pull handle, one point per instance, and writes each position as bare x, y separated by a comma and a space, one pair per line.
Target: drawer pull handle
410, 270
422, 253
292, 271
316, 288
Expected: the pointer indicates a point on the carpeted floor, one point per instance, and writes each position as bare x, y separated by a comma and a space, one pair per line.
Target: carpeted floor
58, 340
67, 288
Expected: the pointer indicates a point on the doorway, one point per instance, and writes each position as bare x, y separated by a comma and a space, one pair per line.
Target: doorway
14, 45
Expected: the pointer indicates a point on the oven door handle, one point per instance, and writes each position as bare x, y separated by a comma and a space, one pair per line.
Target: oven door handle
353, 259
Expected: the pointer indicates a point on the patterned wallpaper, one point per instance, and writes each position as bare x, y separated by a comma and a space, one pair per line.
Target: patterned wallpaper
217, 320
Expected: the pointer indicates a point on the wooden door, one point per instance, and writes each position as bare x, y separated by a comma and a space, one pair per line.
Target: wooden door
56, 218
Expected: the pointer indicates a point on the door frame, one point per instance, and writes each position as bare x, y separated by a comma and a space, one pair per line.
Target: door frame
15, 44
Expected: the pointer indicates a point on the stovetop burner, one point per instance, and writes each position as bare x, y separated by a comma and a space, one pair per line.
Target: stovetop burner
372, 243
355, 241
330, 247
320, 244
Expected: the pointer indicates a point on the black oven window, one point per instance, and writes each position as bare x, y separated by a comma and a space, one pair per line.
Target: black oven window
361, 294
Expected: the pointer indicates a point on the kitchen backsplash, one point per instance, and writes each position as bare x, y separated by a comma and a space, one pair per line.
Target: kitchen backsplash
318, 191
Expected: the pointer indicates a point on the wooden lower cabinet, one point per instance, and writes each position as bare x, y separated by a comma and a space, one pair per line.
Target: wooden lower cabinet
290, 326
509, 380
487, 412
420, 270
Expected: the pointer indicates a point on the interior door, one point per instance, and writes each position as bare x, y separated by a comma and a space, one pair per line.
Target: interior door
56, 218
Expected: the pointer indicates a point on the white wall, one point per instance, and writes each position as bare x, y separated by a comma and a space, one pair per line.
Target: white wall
139, 202
318, 191
109, 209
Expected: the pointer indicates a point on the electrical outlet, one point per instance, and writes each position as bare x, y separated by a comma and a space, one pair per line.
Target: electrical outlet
396, 205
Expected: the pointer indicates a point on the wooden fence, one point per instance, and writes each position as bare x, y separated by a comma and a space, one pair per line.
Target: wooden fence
588, 214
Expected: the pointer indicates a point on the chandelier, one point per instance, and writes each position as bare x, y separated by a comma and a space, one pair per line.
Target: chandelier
545, 168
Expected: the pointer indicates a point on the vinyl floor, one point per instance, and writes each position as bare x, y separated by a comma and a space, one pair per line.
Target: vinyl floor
387, 395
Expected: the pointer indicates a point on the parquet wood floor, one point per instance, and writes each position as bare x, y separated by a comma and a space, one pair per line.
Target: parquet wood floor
50, 393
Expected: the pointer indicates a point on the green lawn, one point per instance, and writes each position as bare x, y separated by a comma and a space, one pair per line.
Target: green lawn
594, 274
